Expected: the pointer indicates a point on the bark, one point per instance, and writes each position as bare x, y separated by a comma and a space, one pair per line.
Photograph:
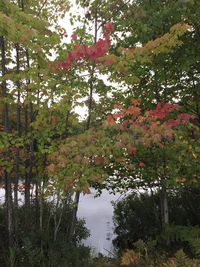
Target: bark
164, 215
164, 208
74, 215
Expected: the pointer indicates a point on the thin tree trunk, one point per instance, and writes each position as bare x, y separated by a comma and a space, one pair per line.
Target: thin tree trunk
29, 161
74, 215
36, 203
18, 129
41, 217
57, 223
164, 215
8, 186
90, 100
164, 208
164, 203
9, 209
164, 193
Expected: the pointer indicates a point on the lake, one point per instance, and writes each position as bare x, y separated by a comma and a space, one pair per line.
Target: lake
98, 215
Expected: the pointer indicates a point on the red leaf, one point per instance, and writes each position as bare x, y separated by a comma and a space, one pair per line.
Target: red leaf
74, 37
110, 119
53, 120
141, 164
117, 115
131, 150
172, 123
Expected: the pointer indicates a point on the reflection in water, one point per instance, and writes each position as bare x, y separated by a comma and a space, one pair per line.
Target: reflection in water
98, 213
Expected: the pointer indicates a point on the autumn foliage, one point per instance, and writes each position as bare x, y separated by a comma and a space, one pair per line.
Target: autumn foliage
153, 126
92, 52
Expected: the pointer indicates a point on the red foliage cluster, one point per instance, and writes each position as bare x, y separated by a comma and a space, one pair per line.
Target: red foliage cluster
162, 110
154, 126
93, 52
107, 29
183, 118
151, 119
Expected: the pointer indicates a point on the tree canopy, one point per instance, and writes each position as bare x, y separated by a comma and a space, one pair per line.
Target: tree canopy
132, 68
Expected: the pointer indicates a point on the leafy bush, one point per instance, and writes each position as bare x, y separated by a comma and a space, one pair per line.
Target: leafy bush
138, 217
35, 248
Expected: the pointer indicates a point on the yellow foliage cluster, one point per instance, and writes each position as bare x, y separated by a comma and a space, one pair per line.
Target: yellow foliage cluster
130, 257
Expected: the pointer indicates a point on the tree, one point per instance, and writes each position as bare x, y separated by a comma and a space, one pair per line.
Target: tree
148, 146
137, 217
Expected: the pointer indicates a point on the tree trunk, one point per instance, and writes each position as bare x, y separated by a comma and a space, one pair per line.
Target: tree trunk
18, 129
90, 99
9, 209
74, 215
165, 209
29, 160
164, 214
41, 217
8, 186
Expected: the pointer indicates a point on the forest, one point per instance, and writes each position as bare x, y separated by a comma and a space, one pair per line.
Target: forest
104, 95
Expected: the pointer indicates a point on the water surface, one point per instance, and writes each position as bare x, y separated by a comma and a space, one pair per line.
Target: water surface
98, 213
